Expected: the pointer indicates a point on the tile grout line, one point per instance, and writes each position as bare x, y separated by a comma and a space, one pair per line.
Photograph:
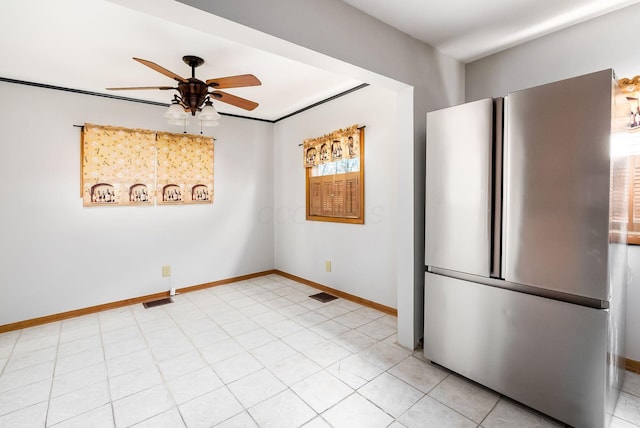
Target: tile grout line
156, 364
630, 392
197, 348
395, 418
491, 410
455, 410
13, 347
137, 325
245, 409
231, 337
55, 364
52, 379
324, 369
288, 387
101, 347
106, 368
266, 368
3, 371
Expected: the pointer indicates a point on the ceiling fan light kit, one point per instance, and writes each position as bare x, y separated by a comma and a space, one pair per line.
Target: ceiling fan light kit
175, 112
208, 113
195, 96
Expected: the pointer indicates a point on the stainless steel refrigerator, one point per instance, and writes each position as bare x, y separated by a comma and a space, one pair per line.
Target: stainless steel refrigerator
525, 275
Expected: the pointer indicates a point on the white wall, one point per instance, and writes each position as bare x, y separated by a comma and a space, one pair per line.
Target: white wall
58, 256
340, 38
605, 42
362, 257
598, 44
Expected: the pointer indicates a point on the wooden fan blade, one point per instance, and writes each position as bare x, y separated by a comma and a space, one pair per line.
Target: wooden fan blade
135, 88
160, 69
234, 81
233, 100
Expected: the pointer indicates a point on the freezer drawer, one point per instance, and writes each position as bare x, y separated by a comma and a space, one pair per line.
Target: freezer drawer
547, 354
458, 188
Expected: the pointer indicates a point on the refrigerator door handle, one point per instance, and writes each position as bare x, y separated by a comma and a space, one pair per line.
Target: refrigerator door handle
496, 185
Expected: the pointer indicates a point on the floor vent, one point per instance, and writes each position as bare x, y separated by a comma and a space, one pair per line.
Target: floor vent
323, 297
158, 302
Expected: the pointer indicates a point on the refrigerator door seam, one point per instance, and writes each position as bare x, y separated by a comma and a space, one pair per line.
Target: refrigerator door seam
521, 288
496, 186
505, 185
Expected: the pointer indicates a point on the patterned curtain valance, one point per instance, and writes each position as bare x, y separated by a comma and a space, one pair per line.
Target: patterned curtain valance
339, 144
185, 168
123, 166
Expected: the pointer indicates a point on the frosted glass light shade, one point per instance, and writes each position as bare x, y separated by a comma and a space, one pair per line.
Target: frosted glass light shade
208, 113
175, 112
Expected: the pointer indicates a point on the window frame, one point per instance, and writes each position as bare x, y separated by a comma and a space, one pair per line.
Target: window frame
339, 219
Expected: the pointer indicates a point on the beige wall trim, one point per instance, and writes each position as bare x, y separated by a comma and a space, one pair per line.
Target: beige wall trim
632, 365
225, 281
135, 300
126, 302
382, 308
79, 312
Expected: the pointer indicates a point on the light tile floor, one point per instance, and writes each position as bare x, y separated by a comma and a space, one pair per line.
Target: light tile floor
253, 353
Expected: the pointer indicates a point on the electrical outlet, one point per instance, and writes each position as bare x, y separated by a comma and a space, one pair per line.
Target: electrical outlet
166, 270
327, 265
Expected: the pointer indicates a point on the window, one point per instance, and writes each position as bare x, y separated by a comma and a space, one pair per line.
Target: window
625, 199
625, 183
633, 227
629, 212
335, 177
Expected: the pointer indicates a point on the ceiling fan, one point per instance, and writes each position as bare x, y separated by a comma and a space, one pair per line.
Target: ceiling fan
195, 93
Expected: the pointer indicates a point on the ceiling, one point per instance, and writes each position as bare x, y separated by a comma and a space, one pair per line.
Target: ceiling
89, 45
470, 29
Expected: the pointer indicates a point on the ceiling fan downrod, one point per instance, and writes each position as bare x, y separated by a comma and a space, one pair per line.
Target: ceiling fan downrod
193, 62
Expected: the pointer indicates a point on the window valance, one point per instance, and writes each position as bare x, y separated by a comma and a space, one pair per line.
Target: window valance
339, 144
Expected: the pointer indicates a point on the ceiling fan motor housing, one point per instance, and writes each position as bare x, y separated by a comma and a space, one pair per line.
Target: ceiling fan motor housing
193, 94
